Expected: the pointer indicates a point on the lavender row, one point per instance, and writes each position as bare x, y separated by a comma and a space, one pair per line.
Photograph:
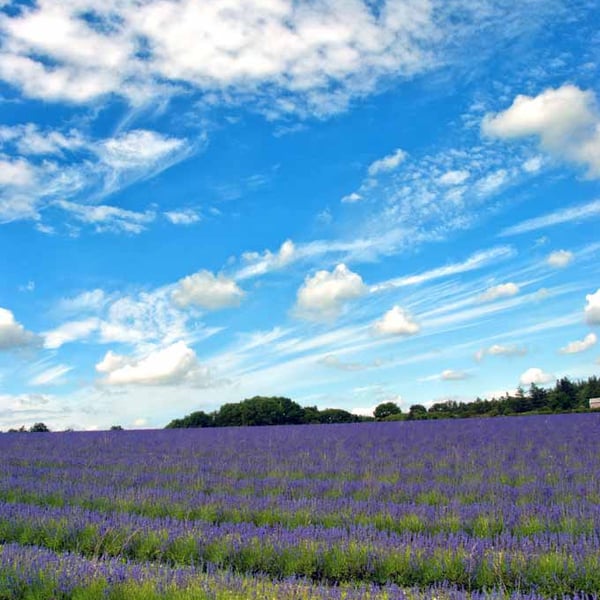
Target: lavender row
480, 519
62, 575
551, 563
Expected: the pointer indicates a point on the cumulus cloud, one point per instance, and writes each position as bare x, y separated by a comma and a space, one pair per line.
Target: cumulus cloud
396, 321
172, 365
387, 163
324, 295
287, 57
580, 345
71, 331
501, 350
566, 120
208, 291
535, 375
454, 177
592, 308
502, 290
12, 334
16, 172
560, 259
183, 217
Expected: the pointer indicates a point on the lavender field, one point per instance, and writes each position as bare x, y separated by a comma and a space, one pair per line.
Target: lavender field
494, 508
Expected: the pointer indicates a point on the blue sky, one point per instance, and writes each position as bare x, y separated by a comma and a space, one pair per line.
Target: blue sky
341, 202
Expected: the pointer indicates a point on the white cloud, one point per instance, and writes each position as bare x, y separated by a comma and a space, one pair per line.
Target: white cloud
501, 350
71, 331
592, 308
564, 215
566, 120
108, 218
351, 198
535, 375
172, 365
12, 333
30, 140
475, 261
387, 163
259, 264
533, 165
446, 375
454, 177
580, 345
111, 362
324, 295
67, 165
364, 411
137, 149
16, 172
453, 375
144, 319
560, 258
492, 182
333, 362
52, 376
501, 290
288, 58
396, 321
88, 301
183, 217
207, 291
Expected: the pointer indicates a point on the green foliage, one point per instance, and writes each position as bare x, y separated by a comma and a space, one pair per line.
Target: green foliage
385, 410
39, 428
264, 410
566, 396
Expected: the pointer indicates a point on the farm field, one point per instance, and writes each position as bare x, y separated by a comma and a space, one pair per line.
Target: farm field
479, 508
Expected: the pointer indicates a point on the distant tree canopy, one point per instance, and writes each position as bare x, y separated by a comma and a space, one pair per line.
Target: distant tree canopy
566, 396
264, 410
385, 410
39, 428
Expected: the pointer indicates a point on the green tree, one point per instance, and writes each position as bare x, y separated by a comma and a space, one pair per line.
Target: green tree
417, 411
386, 409
39, 428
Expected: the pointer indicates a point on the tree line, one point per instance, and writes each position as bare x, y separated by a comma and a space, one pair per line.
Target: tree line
566, 396
265, 410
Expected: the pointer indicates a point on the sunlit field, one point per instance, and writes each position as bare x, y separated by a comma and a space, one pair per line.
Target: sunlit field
492, 508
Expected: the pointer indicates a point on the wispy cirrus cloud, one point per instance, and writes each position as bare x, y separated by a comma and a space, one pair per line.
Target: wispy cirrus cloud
571, 214
44, 168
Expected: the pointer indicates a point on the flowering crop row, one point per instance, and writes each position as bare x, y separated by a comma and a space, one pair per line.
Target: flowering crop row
511, 505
